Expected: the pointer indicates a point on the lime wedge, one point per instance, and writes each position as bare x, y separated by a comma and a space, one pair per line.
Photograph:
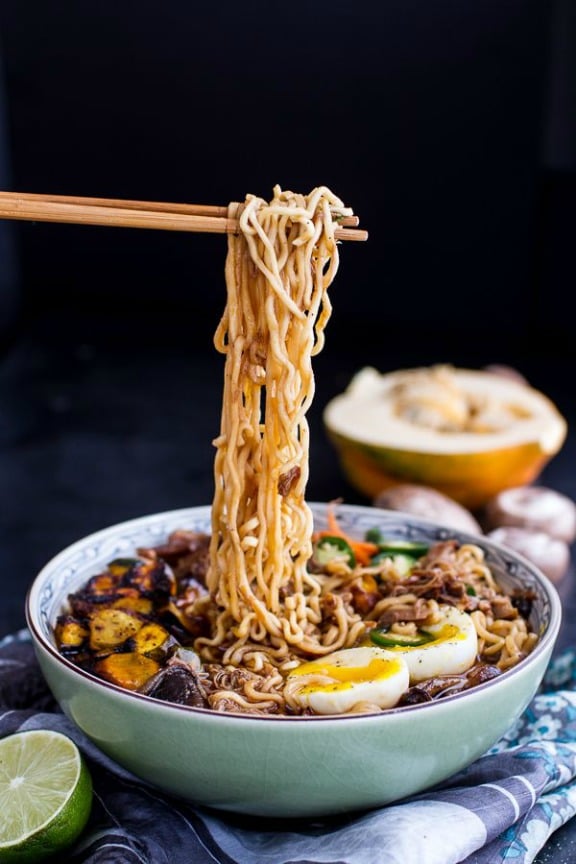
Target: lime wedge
45, 795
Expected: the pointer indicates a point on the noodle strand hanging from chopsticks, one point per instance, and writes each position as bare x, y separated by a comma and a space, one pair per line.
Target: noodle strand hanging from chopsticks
278, 271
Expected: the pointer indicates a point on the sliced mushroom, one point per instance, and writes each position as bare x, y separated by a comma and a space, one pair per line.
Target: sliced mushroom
176, 683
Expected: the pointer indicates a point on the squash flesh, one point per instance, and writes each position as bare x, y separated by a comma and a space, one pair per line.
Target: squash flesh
110, 627
379, 446
129, 670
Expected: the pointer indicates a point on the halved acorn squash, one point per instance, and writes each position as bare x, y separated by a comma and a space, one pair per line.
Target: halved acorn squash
465, 432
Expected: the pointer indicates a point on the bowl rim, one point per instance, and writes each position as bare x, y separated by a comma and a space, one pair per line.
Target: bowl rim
545, 643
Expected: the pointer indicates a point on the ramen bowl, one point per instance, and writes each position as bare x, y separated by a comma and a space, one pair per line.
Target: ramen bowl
285, 766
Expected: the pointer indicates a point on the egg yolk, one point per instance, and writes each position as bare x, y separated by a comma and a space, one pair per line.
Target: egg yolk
375, 670
448, 633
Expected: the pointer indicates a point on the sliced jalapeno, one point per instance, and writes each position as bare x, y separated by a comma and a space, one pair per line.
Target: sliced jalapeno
385, 639
333, 548
402, 563
416, 548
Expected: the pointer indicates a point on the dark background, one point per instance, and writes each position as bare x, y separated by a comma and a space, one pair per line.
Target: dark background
449, 127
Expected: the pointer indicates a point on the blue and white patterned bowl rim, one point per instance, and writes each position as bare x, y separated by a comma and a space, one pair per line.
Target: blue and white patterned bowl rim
71, 568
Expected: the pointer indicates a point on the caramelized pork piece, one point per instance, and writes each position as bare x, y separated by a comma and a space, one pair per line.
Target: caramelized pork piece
187, 553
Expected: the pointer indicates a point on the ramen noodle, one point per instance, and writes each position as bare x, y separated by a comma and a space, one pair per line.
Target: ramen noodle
278, 272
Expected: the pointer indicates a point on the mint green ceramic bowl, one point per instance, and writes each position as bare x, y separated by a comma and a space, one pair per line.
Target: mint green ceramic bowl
285, 767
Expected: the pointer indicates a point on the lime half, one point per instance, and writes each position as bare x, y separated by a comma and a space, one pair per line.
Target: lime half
45, 795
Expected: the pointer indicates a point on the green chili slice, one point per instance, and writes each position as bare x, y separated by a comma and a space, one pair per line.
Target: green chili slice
333, 548
403, 563
386, 639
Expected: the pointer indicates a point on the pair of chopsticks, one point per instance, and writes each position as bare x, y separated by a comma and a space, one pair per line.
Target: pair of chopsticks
121, 213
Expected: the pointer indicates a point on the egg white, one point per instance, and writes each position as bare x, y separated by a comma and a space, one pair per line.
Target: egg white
335, 683
453, 650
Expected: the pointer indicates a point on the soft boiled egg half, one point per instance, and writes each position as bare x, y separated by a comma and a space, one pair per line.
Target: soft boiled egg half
447, 647
336, 683
381, 673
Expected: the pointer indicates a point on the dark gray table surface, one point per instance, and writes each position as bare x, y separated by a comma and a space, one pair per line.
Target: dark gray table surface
92, 433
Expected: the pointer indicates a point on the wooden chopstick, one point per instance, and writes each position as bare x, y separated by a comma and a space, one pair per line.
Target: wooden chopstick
124, 217
120, 203
115, 212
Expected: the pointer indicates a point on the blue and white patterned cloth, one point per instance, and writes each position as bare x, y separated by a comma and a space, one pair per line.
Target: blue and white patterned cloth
503, 808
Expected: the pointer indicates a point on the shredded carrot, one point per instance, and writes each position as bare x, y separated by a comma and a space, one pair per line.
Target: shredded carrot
363, 550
